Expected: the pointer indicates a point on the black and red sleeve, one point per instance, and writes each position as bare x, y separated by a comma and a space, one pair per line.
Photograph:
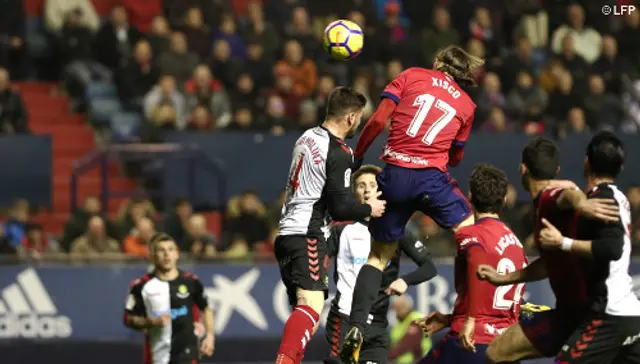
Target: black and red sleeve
135, 303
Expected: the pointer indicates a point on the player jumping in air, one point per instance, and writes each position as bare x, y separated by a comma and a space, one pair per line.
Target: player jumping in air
481, 311
542, 334
610, 333
319, 189
350, 244
431, 118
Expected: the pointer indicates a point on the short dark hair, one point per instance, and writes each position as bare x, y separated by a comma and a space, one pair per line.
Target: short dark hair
542, 158
488, 186
159, 238
605, 154
366, 169
343, 100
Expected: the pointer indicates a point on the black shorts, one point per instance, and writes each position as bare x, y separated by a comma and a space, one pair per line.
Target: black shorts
374, 348
603, 339
303, 264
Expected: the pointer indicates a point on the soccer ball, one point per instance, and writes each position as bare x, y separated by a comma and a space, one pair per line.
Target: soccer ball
343, 40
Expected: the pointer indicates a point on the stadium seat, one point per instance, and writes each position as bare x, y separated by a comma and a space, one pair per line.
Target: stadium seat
96, 90
102, 109
125, 127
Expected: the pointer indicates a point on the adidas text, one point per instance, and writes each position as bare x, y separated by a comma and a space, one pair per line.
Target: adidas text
32, 326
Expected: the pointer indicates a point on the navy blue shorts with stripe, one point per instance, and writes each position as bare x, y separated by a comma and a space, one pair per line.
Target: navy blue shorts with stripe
548, 330
449, 351
406, 191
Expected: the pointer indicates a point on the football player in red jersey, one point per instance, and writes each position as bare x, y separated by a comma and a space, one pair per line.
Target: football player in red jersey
542, 334
431, 118
481, 311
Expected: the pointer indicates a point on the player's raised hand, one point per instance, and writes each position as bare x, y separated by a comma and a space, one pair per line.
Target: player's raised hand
604, 209
377, 206
466, 336
491, 275
397, 287
433, 323
550, 237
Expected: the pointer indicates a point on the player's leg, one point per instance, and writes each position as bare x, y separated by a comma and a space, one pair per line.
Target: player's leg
335, 331
442, 200
300, 259
396, 185
449, 351
596, 341
376, 347
512, 345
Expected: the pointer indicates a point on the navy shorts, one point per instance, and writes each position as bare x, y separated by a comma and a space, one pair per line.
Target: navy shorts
549, 330
449, 351
406, 191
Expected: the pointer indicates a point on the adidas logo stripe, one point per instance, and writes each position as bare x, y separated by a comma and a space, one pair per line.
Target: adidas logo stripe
27, 311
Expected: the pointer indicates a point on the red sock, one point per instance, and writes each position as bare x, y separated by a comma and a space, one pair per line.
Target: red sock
297, 334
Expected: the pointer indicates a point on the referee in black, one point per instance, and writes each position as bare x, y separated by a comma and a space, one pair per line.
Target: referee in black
611, 333
166, 305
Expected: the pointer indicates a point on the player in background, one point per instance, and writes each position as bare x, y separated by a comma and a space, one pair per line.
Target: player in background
319, 189
166, 305
431, 118
611, 331
481, 311
542, 334
350, 244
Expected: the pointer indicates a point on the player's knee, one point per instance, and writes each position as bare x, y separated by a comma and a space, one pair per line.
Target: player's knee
466, 222
313, 299
490, 356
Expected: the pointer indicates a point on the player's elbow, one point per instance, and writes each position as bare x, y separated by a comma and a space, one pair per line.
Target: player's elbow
339, 212
607, 249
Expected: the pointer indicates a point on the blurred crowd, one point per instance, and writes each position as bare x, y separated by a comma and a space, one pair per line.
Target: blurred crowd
553, 67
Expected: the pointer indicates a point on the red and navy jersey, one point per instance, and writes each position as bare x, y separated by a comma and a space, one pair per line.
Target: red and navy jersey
183, 298
489, 242
563, 268
432, 113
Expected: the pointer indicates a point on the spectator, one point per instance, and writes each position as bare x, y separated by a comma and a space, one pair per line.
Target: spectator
526, 102
362, 84
228, 32
35, 244
481, 28
13, 114
131, 212
562, 99
200, 120
164, 120
248, 225
438, 36
77, 224
394, 33
490, 96
520, 60
326, 84
308, 115
203, 90
224, 68
260, 31
301, 70
159, 37
95, 243
15, 226
115, 39
275, 117
629, 39
258, 66
177, 221
12, 37
602, 108
588, 41
143, 12
244, 92
476, 48
631, 101
496, 122
56, 13
178, 61
285, 90
177, 10
575, 124
197, 33
534, 21
299, 28
137, 242
574, 63
165, 93
199, 241
610, 65
243, 120
138, 76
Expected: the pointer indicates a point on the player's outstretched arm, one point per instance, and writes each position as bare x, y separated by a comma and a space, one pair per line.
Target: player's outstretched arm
604, 209
374, 127
607, 246
535, 271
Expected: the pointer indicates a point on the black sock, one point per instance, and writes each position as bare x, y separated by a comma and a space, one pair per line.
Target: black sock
364, 294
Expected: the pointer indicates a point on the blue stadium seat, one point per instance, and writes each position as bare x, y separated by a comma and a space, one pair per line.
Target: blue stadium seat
125, 126
100, 89
102, 109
